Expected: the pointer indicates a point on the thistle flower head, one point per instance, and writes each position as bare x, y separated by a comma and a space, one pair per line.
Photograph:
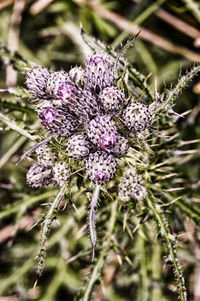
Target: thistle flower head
111, 100
76, 75
36, 81
45, 155
78, 146
131, 186
98, 73
61, 172
78, 101
54, 81
102, 132
39, 175
100, 167
56, 117
137, 117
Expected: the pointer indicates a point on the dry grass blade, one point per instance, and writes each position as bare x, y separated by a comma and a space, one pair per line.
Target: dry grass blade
126, 25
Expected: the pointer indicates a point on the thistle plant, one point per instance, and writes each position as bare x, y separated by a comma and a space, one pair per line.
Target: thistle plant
106, 134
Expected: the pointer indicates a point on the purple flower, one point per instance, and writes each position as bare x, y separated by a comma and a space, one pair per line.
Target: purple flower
56, 117
96, 59
100, 167
48, 115
79, 101
102, 131
65, 91
108, 140
101, 177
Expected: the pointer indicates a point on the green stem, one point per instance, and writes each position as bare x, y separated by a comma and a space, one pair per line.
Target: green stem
148, 12
11, 124
105, 250
182, 83
189, 210
171, 245
46, 228
144, 285
12, 150
27, 265
26, 201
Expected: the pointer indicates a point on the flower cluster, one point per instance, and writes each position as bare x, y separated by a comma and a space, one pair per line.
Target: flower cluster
47, 171
87, 107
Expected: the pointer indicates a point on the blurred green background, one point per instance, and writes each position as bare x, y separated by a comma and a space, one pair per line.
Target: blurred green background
47, 33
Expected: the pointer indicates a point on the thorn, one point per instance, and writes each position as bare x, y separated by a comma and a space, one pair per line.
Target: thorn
46, 204
82, 30
119, 259
75, 208
35, 224
135, 37
35, 283
34, 148
125, 219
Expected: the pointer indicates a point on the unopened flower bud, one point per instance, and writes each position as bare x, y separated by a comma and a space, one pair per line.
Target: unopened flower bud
79, 101
137, 117
61, 172
98, 73
131, 186
111, 99
36, 81
39, 175
102, 132
100, 167
56, 117
78, 146
54, 81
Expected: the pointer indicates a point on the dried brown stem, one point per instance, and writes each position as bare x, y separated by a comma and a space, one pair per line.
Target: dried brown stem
13, 39
5, 4
178, 24
145, 34
26, 223
39, 6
